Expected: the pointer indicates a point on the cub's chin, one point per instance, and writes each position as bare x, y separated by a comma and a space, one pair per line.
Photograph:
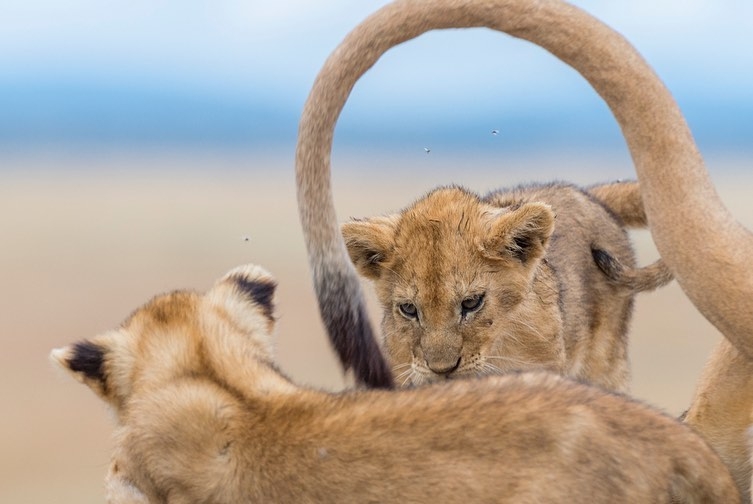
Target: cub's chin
422, 375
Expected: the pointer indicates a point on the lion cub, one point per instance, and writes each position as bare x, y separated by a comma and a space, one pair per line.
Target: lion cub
205, 416
475, 285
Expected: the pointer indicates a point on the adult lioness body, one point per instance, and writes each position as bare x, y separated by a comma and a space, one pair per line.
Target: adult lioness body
205, 416
472, 286
703, 244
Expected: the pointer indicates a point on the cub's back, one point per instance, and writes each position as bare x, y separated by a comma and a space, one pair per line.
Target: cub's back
595, 311
519, 438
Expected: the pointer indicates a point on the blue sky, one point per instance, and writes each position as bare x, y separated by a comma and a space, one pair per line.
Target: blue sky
233, 73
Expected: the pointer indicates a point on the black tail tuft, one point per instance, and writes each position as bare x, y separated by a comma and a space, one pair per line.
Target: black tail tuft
612, 268
643, 279
350, 333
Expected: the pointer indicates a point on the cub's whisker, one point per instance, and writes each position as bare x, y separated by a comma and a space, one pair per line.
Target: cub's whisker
404, 374
508, 359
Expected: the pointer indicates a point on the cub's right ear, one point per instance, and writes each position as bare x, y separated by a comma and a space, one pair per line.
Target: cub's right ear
246, 294
522, 233
370, 243
85, 360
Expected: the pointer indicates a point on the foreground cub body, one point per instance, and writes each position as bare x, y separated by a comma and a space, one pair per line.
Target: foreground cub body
206, 417
473, 286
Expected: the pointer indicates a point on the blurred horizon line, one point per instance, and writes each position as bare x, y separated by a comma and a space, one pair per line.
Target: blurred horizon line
90, 116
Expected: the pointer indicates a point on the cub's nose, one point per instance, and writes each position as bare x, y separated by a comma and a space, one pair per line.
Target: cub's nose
442, 366
441, 350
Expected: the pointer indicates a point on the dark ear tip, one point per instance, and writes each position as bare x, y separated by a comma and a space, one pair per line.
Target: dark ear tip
83, 357
255, 283
261, 291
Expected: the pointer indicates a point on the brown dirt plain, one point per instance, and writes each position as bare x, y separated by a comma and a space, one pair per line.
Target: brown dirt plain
86, 238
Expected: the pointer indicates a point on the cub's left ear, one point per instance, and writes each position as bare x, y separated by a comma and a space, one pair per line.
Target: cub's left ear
521, 234
85, 360
370, 243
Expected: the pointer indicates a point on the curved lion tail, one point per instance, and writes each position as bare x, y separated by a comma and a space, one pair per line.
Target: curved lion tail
655, 130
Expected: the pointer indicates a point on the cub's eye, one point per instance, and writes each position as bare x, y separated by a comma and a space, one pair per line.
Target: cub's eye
408, 310
471, 304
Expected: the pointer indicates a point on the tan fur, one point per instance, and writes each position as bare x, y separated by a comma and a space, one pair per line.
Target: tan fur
205, 416
624, 200
702, 243
722, 409
119, 487
542, 302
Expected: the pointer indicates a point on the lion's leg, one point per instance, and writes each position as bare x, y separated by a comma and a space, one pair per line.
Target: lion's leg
721, 410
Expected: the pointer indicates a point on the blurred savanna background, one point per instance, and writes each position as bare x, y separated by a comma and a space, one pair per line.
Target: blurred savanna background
148, 146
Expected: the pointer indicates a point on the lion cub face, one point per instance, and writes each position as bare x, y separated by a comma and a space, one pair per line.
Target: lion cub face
457, 281
165, 339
